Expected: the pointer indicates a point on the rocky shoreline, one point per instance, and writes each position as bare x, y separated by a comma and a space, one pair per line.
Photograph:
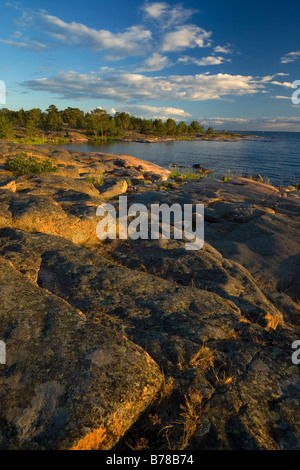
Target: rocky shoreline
213, 138
77, 136
141, 344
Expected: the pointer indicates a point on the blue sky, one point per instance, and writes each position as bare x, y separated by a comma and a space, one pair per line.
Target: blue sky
226, 64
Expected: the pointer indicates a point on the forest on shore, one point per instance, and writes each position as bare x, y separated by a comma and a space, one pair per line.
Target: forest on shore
96, 125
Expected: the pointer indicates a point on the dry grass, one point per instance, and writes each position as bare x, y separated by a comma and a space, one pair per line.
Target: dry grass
155, 420
263, 282
233, 335
192, 412
203, 359
165, 390
142, 444
223, 379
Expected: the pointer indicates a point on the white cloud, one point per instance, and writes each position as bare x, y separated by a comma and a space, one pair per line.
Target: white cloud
156, 10
133, 41
164, 110
278, 97
264, 123
155, 62
155, 112
25, 45
184, 37
290, 57
167, 15
168, 33
222, 49
16, 35
210, 60
285, 84
136, 87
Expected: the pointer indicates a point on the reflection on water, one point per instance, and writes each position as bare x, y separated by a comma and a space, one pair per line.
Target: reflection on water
277, 159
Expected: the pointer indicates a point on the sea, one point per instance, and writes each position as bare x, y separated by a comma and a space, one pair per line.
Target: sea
273, 156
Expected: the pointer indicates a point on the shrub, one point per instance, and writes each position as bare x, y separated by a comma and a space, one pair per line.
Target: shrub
96, 180
226, 177
24, 165
178, 175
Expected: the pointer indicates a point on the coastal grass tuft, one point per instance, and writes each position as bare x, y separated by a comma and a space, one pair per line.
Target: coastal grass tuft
228, 176
203, 359
96, 180
24, 165
178, 175
191, 417
223, 379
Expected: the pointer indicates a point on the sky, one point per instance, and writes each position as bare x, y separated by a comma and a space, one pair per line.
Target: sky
230, 65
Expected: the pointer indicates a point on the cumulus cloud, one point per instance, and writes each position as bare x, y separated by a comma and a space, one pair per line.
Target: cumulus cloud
210, 60
184, 37
134, 87
164, 30
133, 41
167, 15
167, 111
290, 57
161, 112
154, 63
222, 49
156, 10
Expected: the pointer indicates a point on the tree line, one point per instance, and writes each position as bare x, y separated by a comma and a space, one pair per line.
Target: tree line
97, 124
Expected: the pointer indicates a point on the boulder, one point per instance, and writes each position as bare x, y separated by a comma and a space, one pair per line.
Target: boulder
115, 189
67, 384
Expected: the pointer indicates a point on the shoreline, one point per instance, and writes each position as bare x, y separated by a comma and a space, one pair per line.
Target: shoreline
183, 172
72, 136
215, 138
107, 310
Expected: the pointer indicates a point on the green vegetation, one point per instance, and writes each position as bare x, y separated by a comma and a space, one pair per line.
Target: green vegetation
183, 176
169, 185
228, 176
41, 140
96, 180
6, 128
24, 165
36, 127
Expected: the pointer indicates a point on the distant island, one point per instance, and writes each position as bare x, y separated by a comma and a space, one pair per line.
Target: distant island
74, 125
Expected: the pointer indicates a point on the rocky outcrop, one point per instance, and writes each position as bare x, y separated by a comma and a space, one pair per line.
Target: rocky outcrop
115, 189
177, 349
66, 384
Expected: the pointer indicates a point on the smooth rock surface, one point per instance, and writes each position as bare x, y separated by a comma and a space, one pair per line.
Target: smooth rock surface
90, 326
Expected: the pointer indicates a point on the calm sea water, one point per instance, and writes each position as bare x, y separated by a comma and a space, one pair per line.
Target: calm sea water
275, 156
